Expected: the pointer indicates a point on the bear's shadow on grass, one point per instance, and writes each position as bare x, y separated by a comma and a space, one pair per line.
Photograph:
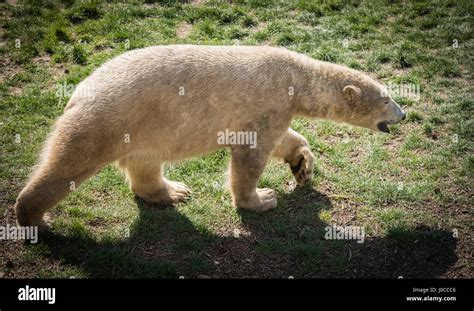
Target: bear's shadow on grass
287, 241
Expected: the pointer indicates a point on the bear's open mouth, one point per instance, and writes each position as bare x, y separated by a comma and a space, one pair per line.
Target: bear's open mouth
383, 127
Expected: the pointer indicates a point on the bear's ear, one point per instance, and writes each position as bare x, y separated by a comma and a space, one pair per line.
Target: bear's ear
352, 93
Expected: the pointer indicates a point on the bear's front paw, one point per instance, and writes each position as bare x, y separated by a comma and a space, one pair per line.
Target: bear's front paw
262, 200
302, 165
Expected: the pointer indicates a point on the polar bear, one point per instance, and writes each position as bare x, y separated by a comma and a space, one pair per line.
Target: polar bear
168, 103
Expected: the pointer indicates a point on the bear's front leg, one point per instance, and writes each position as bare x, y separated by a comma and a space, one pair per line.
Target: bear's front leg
294, 150
246, 167
301, 165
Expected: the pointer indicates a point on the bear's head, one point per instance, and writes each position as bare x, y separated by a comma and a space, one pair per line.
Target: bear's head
342, 94
368, 104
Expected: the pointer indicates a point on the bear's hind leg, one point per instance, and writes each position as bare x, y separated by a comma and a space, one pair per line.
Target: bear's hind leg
68, 161
148, 183
44, 191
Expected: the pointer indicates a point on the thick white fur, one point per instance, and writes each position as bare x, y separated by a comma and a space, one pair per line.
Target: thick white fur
167, 103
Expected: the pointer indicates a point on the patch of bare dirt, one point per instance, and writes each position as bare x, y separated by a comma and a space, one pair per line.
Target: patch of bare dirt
183, 30
56, 70
198, 2
8, 69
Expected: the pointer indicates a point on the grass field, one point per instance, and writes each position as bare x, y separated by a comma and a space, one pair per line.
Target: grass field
412, 190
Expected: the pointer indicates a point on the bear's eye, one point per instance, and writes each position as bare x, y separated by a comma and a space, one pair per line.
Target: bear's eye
387, 102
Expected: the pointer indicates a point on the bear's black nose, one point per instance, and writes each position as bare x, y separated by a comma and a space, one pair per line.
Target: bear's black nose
404, 116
